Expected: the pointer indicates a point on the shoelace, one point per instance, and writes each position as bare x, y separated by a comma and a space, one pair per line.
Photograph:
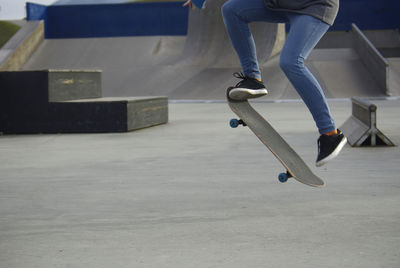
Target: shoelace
319, 145
240, 75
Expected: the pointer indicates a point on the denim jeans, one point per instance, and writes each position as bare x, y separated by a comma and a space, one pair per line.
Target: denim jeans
305, 32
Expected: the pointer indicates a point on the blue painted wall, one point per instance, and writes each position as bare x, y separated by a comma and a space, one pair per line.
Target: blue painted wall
35, 11
169, 18
138, 19
368, 14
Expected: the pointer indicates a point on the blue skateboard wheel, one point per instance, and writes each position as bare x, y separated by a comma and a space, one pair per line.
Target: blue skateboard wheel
234, 123
283, 177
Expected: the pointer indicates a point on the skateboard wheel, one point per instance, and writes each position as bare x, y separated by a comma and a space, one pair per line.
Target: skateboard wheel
283, 177
234, 123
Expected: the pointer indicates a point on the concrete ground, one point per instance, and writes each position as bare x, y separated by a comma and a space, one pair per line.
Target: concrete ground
196, 193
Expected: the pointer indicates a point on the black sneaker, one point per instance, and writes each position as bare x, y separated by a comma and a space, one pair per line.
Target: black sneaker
248, 88
329, 147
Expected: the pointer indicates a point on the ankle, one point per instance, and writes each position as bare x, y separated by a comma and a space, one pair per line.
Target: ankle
331, 133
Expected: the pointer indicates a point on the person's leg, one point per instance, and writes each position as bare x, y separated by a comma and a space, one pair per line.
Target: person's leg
305, 32
237, 14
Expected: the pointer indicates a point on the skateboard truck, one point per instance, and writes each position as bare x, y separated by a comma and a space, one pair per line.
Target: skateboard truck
282, 177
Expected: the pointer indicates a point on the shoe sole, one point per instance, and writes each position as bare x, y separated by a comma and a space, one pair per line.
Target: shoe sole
244, 93
333, 154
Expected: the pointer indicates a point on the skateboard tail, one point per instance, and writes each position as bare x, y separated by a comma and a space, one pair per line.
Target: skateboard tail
292, 162
289, 173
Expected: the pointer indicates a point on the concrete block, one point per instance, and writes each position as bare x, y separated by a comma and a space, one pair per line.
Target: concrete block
74, 84
113, 114
51, 85
67, 101
147, 111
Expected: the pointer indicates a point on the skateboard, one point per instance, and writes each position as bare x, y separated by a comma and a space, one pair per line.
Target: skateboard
295, 166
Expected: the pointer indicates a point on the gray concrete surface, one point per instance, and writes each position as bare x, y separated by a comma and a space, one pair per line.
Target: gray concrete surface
196, 193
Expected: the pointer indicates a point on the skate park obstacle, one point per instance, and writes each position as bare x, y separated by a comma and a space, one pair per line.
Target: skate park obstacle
372, 59
70, 101
361, 127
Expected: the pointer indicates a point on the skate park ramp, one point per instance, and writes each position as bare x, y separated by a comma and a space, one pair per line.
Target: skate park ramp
199, 66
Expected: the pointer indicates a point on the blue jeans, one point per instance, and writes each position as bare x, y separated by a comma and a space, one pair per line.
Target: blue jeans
305, 32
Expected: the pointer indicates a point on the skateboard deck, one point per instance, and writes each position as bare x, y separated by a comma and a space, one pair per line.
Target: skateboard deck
294, 164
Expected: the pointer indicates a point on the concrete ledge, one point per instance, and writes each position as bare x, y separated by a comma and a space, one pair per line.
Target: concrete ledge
88, 116
67, 85
146, 112
373, 60
51, 85
20, 47
137, 112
